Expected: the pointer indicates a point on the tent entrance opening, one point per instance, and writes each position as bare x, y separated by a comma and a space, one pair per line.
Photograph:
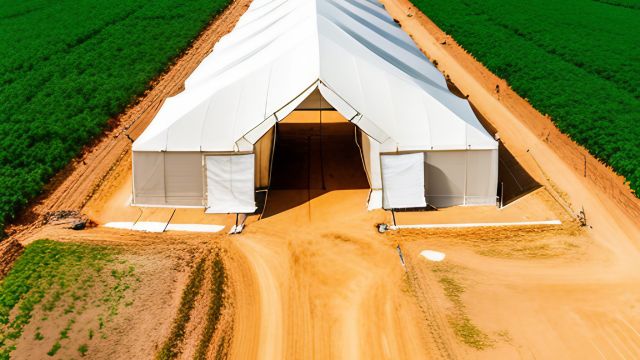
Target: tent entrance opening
317, 150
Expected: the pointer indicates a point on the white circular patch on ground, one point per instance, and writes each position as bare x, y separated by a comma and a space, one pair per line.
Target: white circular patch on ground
432, 255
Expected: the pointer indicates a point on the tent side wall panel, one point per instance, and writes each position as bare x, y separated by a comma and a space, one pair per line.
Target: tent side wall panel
371, 154
167, 178
264, 151
445, 177
148, 178
482, 177
365, 147
183, 178
467, 177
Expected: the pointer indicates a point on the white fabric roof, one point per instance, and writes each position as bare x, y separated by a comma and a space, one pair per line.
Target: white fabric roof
280, 51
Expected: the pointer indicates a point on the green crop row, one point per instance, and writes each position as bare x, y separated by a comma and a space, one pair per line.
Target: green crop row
575, 60
49, 275
171, 348
216, 303
68, 66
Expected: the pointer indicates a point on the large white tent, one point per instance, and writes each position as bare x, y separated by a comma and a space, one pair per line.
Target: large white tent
209, 145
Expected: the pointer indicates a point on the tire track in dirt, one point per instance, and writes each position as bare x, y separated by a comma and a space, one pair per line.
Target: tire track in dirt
313, 294
246, 304
422, 285
269, 305
196, 323
195, 328
613, 339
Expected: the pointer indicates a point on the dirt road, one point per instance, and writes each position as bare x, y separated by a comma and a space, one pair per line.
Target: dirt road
322, 282
325, 287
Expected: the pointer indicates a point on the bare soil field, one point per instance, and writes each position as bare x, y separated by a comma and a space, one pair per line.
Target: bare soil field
139, 320
132, 317
314, 278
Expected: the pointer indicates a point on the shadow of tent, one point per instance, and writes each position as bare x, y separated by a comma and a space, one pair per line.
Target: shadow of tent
515, 180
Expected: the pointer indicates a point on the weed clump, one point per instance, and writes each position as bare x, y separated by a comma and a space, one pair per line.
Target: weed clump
460, 322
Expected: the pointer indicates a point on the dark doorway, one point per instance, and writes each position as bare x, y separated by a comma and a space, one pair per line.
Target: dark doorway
312, 158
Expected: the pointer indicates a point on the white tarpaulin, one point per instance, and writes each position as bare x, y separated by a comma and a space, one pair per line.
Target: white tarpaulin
403, 181
362, 62
353, 54
230, 184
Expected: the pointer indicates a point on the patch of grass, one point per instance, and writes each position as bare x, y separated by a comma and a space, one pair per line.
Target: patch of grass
504, 335
71, 308
90, 334
407, 284
56, 277
218, 280
460, 322
469, 333
50, 304
116, 293
452, 289
530, 249
171, 347
64, 334
518, 242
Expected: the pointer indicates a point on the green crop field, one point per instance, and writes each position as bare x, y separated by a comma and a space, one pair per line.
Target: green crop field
575, 60
68, 66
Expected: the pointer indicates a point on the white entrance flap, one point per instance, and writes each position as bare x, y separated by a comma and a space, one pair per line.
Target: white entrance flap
403, 181
230, 184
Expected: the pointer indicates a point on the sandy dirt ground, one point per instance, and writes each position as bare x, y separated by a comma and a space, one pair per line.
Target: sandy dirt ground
314, 279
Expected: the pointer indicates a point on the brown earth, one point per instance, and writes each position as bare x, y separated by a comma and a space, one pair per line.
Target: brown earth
145, 314
315, 279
